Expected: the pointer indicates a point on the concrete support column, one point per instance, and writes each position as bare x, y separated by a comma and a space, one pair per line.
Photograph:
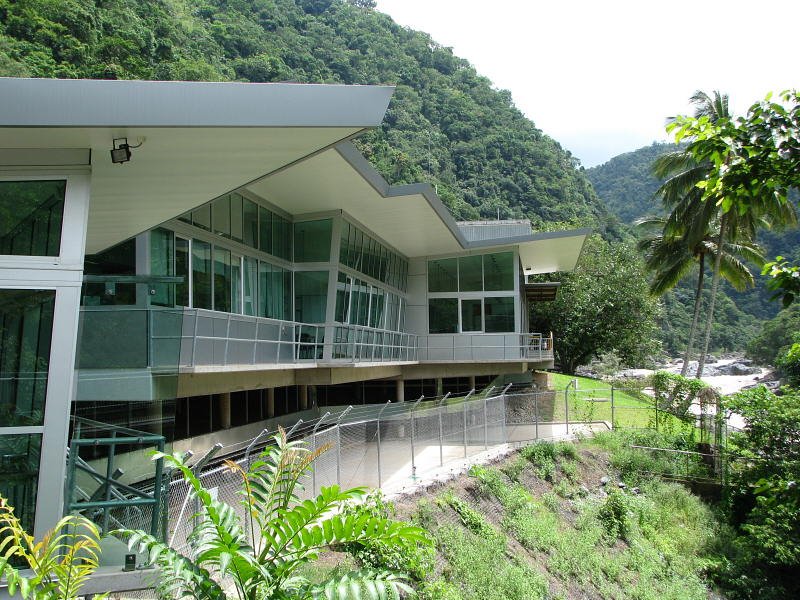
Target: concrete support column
439, 387
270, 402
543, 380
472, 382
225, 410
302, 396
401, 391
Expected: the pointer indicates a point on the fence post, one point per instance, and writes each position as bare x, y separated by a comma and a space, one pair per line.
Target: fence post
465, 423
566, 405
441, 436
314, 449
339, 445
536, 413
380, 413
196, 470
413, 457
613, 418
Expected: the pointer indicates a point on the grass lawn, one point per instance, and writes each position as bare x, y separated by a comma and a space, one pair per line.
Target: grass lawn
590, 400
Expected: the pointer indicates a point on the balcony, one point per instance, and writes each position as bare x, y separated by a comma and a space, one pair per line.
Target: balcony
480, 347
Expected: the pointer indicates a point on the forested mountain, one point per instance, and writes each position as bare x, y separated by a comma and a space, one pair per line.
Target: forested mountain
627, 187
446, 123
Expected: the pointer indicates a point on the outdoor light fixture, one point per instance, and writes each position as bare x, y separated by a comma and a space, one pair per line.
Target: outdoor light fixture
121, 152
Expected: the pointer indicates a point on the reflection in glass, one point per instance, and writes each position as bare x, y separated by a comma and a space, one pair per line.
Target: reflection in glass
26, 327
19, 474
443, 275
498, 271
31, 215
222, 279
161, 263
443, 315
471, 317
201, 274
250, 286
310, 296
470, 273
182, 270
499, 314
312, 241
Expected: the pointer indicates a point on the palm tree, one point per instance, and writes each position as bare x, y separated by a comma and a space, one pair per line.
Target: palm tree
692, 218
261, 561
670, 260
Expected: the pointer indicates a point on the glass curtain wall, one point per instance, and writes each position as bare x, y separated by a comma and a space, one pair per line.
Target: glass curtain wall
31, 216
475, 277
26, 327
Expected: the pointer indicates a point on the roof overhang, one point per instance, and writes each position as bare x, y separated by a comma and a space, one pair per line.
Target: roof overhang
200, 139
541, 292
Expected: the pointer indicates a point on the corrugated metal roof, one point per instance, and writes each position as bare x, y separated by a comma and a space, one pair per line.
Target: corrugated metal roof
476, 231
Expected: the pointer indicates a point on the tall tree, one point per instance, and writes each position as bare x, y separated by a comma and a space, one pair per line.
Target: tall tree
750, 169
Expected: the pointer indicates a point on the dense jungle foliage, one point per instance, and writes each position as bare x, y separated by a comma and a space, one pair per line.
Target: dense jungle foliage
446, 124
627, 187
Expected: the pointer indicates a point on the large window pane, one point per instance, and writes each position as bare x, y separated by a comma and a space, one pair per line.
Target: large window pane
162, 250
499, 314
201, 217
26, 327
182, 270
471, 317
222, 279
470, 273
19, 474
237, 223
221, 214
282, 237
31, 214
312, 241
443, 275
250, 225
201, 274
236, 284
342, 298
250, 286
443, 315
265, 228
498, 271
310, 296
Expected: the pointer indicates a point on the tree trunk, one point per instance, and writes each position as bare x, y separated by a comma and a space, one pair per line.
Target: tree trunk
698, 300
714, 285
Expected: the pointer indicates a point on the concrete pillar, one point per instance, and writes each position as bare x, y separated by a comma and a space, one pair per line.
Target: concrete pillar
302, 397
472, 382
270, 402
543, 380
439, 387
401, 391
225, 410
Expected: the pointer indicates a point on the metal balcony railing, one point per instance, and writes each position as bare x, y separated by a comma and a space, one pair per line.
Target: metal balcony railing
486, 347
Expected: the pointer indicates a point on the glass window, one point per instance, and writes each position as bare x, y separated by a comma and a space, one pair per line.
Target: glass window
470, 273
26, 327
264, 270
250, 286
182, 270
250, 223
237, 223
471, 315
162, 248
19, 474
222, 279
31, 214
342, 298
498, 271
344, 248
443, 315
201, 274
282, 238
312, 241
443, 275
236, 284
201, 217
221, 215
499, 314
376, 308
310, 296
265, 228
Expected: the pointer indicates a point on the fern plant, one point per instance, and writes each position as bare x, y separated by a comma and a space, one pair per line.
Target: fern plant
283, 534
60, 563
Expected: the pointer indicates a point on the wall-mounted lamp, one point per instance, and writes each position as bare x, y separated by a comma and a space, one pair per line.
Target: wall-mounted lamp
121, 151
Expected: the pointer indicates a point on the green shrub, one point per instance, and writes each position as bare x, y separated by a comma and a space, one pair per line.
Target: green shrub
570, 471
538, 452
471, 518
614, 515
567, 450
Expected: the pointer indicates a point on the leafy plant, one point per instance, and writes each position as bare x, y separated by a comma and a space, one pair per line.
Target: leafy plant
284, 534
614, 514
60, 563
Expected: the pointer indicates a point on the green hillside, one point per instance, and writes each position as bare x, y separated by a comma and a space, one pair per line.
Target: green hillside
446, 124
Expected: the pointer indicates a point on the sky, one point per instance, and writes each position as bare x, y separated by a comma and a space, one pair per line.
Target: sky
602, 77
